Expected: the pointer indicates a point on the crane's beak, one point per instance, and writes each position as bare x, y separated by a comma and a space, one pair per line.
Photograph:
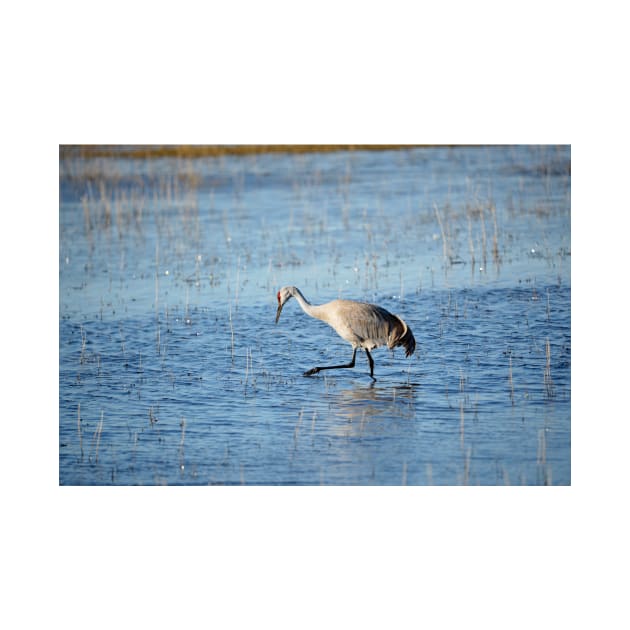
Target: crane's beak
278, 312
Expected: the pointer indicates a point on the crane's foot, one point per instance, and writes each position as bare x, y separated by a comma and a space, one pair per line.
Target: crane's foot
311, 371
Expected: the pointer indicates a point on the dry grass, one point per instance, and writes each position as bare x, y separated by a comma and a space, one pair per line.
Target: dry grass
446, 248
143, 152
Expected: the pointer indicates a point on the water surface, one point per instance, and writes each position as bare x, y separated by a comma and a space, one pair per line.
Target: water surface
172, 370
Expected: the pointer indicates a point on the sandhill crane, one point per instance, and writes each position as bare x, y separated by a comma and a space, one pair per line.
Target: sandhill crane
365, 326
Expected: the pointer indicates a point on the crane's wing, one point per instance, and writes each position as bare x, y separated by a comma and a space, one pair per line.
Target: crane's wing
371, 326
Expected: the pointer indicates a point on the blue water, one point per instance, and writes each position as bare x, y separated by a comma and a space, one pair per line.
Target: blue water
172, 370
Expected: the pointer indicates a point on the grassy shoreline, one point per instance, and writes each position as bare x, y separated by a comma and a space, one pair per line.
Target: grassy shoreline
143, 152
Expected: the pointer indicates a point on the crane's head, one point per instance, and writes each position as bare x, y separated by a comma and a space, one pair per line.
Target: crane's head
284, 295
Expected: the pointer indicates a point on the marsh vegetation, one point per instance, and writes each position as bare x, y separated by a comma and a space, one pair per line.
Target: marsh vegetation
172, 369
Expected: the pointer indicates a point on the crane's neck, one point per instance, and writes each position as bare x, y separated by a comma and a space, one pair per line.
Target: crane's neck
307, 307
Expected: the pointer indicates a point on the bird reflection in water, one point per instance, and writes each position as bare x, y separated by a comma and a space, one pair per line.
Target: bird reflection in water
371, 408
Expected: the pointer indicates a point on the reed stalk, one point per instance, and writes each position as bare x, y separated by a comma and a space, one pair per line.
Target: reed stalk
445, 244
495, 236
231, 331
549, 386
467, 466
296, 430
79, 429
83, 344
86, 217
248, 354
471, 244
182, 424
484, 238
99, 429
511, 382
548, 307
157, 292
461, 423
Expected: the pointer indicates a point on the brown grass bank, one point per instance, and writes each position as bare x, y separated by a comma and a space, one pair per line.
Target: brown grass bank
143, 152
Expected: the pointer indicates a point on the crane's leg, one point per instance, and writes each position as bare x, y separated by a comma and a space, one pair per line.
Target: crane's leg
332, 367
371, 360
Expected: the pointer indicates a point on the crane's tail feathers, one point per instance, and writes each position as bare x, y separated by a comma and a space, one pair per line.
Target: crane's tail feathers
401, 335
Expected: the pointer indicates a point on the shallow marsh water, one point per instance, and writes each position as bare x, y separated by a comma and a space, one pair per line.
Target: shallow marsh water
172, 370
